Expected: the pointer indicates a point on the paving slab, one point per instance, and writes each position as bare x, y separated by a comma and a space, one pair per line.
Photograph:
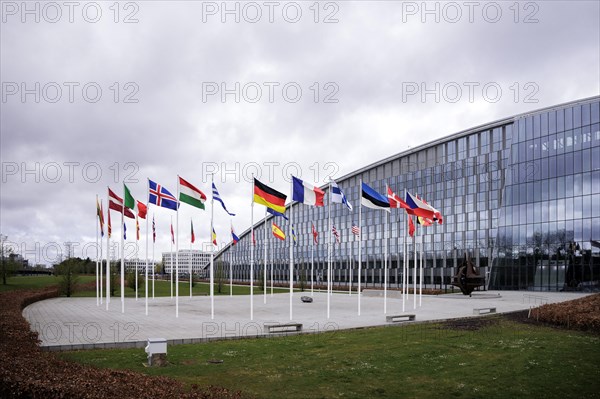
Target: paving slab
70, 323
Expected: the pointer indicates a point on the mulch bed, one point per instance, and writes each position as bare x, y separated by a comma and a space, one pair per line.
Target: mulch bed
28, 372
579, 314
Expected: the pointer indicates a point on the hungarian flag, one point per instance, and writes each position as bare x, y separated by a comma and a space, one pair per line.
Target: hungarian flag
100, 214
269, 197
277, 232
116, 204
139, 208
193, 236
411, 227
191, 195
315, 235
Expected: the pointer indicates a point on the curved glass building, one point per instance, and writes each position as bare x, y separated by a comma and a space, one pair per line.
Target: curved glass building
520, 195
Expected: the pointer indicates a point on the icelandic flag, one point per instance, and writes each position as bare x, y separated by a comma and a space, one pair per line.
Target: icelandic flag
337, 196
306, 193
234, 237
419, 208
275, 213
160, 196
372, 199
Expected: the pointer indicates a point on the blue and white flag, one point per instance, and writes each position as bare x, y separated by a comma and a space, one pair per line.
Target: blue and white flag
337, 195
217, 197
275, 213
372, 199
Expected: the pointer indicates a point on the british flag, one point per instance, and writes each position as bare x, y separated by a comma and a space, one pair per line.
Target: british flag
160, 196
336, 234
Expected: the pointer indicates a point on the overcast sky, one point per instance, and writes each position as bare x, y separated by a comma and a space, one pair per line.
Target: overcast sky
93, 94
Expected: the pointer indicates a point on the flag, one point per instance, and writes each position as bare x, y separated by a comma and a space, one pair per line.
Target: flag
172, 234
336, 234
418, 207
153, 230
214, 237
109, 226
306, 193
217, 197
395, 201
100, 213
269, 197
277, 231
437, 215
253, 239
116, 204
190, 194
424, 221
124, 231
137, 228
355, 229
294, 235
372, 199
193, 237
234, 237
337, 196
411, 227
275, 213
158, 195
139, 208
315, 235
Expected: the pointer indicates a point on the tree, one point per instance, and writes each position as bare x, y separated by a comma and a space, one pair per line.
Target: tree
219, 276
68, 270
8, 265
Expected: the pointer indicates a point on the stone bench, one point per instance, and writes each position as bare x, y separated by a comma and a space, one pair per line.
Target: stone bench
400, 317
282, 327
484, 310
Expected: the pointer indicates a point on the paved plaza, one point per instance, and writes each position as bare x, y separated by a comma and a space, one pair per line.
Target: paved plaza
75, 323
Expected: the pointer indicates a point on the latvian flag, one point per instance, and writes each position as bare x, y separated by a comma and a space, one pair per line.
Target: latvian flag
306, 193
116, 204
269, 197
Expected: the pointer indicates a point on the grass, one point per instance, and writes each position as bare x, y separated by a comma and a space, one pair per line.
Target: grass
35, 282
501, 360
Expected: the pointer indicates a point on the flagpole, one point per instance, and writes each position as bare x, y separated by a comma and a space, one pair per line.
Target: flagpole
350, 264
123, 253
212, 250
107, 251
312, 261
404, 259
271, 245
385, 261
252, 252
177, 255
329, 251
231, 262
415, 270
172, 239
265, 263
101, 252
137, 223
358, 293
147, 264
291, 249
190, 268
421, 271
153, 260
97, 256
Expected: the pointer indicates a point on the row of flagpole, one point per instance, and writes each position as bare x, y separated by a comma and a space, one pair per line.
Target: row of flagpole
196, 198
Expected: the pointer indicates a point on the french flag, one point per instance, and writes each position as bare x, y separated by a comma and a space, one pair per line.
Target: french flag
306, 193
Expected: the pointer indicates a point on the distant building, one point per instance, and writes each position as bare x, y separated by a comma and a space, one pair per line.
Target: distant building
140, 264
199, 261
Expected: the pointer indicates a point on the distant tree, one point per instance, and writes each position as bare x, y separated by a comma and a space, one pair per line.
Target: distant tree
68, 272
219, 276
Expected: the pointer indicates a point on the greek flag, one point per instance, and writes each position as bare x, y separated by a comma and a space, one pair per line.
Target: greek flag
217, 197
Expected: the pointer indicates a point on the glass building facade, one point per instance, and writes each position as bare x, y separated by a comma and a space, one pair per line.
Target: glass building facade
520, 196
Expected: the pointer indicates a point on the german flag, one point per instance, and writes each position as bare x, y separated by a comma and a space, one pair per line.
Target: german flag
277, 232
268, 197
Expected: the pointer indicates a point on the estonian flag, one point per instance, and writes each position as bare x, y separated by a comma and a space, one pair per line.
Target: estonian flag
372, 199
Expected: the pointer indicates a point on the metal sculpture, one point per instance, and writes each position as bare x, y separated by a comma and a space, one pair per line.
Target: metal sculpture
468, 277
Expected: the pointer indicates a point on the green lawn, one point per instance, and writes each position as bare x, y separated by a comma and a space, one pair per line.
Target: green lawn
503, 360
34, 282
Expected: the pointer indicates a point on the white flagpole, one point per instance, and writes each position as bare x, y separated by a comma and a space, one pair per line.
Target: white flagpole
137, 222
231, 263
415, 269
312, 261
330, 232
107, 253
358, 293
101, 255
171, 255
350, 262
212, 251
252, 252
190, 267
265, 262
147, 264
177, 255
97, 256
271, 245
421, 271
153, 260
123, 253
291, 238
385, 262
404, 260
